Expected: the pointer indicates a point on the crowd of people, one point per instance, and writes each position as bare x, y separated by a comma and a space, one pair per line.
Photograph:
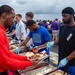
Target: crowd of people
36, 34
51, 26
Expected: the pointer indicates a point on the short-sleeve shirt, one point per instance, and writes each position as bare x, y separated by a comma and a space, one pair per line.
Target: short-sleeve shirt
67, 42
20, 29
40, 36
55, 26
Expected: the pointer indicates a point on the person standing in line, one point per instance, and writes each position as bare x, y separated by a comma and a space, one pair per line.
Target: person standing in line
55, 26
20, 28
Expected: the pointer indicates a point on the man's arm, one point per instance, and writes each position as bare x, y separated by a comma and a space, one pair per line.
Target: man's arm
47, 37
71, 56
23, 43
21, 35
43, 46
65, 60
8, 62
56, 41
13, 32
16, 56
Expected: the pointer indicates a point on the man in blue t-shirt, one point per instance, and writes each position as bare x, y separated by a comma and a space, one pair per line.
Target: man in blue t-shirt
39, 35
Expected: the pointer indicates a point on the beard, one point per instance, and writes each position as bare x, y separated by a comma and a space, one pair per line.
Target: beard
67, 22
8, 24
34, 29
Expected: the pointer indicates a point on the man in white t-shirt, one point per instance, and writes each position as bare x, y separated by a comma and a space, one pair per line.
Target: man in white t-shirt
20, 28
29, 16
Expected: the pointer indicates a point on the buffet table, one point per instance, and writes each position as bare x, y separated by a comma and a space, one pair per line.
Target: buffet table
46, 64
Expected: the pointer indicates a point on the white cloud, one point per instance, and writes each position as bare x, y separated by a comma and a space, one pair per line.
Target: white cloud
39, 6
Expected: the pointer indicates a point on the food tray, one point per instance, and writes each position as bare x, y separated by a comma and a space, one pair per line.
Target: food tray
54, 58
38, 64
59, 72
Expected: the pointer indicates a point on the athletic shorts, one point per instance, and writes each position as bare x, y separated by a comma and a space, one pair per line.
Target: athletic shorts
55, 33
